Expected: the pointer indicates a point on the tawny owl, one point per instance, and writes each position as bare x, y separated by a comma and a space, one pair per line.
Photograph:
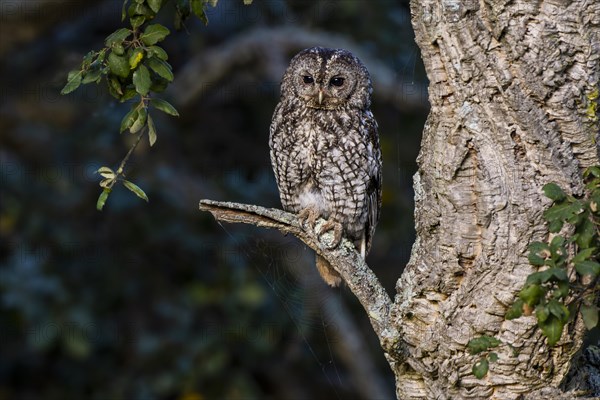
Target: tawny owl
325, 148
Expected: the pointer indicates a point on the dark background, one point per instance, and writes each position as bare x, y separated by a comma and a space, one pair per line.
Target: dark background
157, 300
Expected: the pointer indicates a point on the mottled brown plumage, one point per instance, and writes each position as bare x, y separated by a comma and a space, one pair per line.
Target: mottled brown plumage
325, 148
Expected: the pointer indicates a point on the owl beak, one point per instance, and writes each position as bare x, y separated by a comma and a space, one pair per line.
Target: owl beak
320, 96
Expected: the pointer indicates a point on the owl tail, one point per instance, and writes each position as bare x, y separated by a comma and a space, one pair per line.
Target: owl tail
329, 275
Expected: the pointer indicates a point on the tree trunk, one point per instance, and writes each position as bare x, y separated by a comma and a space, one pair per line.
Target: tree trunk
510, 92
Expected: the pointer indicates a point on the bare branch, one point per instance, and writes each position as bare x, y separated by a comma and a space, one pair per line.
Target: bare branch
344, 259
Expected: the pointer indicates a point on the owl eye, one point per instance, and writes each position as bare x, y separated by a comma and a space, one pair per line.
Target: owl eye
337, 81
308, 79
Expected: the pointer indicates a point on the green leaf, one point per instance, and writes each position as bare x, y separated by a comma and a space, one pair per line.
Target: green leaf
586, 232
136, 56
141, 9
87, 59
583, 255
151, 131
493, 357
594, 170
135, 189
158, 52
93, 75
482, 343
542, 313
552, 328
141, 80
595, 203
554, 192
161, 67
562, 290
538, 252
551, 263
107, 183
106, 172
593, 185
555, 226
153, 34
198, 10
516, 310
164, 106
558, 273
140, 121
590, 316
117, 37
129, 94
136, 22
155, 5
559, 310
557, 242
577, 217
563, 211
559, 253
124, 10
588, 267
129, 119
101, 56
118, 49
539, 247
536, 260
102, 199
115, 87
118, 65
481, 367
73, 81
550, 274
537, 277
182, 11
531, 294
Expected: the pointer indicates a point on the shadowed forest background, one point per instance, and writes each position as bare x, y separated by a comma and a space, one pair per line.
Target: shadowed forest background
157, 300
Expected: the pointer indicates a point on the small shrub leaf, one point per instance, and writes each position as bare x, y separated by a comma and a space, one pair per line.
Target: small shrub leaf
554, 192
135, 189
481, 367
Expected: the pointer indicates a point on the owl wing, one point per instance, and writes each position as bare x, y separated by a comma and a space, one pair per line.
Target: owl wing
374, 187
288, 166
275, 139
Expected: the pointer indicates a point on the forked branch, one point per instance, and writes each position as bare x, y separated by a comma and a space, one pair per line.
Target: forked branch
344, 259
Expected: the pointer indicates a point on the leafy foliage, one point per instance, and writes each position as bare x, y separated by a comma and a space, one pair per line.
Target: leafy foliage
567, 282
134, 67
483, 344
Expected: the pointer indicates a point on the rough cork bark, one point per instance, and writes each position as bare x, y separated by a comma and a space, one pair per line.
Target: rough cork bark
510, 83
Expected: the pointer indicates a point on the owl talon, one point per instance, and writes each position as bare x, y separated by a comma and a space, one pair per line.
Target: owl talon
334, 226
308, 216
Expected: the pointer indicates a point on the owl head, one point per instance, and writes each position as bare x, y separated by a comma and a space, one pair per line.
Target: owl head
327, 79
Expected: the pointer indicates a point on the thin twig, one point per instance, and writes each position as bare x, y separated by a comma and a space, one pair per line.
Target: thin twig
131, 149
344, 259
